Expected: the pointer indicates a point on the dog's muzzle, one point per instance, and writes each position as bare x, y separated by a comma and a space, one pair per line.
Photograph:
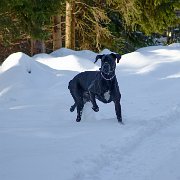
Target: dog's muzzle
106, 68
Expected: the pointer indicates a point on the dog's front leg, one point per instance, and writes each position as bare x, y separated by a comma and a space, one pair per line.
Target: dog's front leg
93, 101
118, 110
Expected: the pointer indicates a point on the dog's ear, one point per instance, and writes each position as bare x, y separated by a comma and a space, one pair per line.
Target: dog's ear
98, 57
116, 56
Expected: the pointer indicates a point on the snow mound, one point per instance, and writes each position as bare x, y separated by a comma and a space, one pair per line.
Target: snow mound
105, 51
42, 56
20, 72
69, 62
17, 59
175, 45
85, 54
157, 59
40, 139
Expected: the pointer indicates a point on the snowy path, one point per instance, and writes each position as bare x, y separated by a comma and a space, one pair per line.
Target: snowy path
92, 150
147, 155
156, 157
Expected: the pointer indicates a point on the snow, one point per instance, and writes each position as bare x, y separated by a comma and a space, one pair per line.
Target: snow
39, 138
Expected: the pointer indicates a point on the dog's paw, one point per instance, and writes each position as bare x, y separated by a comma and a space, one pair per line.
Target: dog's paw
96, 109
120, 120
78, 119
72, 108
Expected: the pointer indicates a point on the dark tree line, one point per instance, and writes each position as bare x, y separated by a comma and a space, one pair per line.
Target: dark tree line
114, 24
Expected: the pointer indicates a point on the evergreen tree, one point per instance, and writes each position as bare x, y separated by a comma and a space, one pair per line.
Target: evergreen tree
156, 16
9, 29
92, 21
112, 24
33, 17
147, 16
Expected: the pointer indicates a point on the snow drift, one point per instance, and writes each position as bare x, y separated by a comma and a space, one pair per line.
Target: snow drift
39, 138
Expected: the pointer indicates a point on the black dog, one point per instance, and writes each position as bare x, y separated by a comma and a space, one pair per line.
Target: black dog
101, 85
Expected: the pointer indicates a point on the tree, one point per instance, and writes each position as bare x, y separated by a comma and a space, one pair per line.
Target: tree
92, 21
9, 29
70, 24
156, 16
34, 18
57, 32
139, 17
57, 26
147, 15
98, 24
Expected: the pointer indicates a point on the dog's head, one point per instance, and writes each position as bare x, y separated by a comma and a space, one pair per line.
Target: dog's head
108, 62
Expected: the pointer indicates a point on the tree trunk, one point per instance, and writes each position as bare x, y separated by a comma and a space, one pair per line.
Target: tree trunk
73, 26
70, 24
37, 46
42, 46
57, 41
32, 47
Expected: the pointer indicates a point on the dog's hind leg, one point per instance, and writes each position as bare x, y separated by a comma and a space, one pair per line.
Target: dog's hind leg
74, 95
93, 101
72, 108
80, 106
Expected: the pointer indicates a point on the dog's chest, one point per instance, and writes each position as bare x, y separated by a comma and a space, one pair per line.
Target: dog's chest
107, 96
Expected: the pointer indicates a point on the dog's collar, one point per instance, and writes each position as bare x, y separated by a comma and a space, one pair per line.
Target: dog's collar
107, 79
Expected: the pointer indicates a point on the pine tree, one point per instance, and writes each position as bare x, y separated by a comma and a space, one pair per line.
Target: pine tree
9, 25
147, 16
150, 16
34, 18
92, 21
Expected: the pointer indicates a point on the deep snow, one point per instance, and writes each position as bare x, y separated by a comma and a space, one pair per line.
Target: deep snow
39, 138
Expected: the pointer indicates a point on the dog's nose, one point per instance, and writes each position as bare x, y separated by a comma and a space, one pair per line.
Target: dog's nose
106, 68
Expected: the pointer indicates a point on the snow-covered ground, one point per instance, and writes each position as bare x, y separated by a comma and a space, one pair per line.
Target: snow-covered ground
40, 139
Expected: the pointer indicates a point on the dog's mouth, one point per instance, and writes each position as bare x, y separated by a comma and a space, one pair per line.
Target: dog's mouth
107, 69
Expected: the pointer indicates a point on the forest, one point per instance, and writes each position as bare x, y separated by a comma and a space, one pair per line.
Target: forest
53, 53
37, 26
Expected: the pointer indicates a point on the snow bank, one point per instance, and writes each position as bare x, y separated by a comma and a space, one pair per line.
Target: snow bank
17, 59
39, 138
83, 54
69, 62
20, 75
176, 45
